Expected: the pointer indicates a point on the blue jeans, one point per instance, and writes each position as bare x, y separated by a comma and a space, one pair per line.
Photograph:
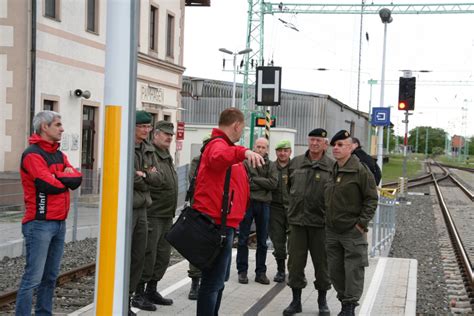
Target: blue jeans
44, 241
213, 278
261, 212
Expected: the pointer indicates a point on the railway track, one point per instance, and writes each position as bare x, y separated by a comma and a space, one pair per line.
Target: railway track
456, 208
64, 278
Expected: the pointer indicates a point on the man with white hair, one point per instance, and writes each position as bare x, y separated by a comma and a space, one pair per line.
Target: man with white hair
263, 180
46, 176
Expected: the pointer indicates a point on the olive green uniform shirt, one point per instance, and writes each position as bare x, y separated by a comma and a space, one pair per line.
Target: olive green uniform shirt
164, 195
144, 160
263, 180
307, 183
351, 196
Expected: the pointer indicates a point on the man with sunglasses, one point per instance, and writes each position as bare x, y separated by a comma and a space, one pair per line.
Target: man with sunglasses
351, 199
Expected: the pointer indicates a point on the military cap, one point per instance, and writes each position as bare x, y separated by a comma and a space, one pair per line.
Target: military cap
165, 126
318, 132
284, 143
342, 134
142, 117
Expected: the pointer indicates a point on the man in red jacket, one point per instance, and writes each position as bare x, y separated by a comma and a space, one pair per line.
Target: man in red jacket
46, 176
219, 155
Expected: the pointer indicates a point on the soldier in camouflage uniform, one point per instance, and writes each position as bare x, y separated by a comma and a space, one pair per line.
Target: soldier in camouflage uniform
279, 208
309, 174
146, 174
160, 215
351, 200
194, 273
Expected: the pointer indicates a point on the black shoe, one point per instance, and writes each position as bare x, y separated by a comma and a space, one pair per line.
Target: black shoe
194, 291
154, 296
322, 302
279, 277
140, 301
243, 279
157, 299
262, 278
295, 305
350, 309
130, 312
347, 309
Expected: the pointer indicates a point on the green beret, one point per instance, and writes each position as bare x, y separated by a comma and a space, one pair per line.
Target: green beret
165, 126
142, 117
284, 143
318, 132
342, 134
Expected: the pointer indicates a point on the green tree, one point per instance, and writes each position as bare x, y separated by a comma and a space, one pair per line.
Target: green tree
436, 138
392, 136
471, 145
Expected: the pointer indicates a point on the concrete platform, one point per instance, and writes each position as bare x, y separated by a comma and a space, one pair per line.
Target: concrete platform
390, 289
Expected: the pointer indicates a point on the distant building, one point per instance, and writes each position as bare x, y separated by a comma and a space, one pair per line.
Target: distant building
299, 111
457, 144
51, 48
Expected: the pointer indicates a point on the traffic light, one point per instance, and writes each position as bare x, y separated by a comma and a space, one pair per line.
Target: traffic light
406, 94
261, 122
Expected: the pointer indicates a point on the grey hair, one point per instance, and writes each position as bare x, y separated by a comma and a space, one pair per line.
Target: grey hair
44, 117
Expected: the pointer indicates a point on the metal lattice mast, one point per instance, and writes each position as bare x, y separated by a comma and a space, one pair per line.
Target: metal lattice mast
435, 8
255, 29
258, 8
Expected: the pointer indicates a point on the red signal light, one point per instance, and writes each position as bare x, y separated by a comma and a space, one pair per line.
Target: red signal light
402, 105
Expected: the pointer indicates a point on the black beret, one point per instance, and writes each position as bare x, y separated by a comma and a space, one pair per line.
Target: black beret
318, 132
342, 134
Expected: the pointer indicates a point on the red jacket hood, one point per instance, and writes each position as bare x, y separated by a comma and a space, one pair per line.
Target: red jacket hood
46, 145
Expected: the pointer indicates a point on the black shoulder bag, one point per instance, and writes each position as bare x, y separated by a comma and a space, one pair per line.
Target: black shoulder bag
195, 235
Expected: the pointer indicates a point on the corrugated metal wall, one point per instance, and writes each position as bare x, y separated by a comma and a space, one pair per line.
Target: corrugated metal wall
298, 110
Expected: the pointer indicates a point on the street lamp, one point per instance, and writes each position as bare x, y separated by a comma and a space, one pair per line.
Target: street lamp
245, 51
386, 16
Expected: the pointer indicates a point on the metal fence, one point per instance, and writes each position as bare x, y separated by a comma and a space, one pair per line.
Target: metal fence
383, 226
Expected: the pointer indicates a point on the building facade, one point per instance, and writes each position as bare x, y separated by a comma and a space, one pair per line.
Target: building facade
52, 57
299, 111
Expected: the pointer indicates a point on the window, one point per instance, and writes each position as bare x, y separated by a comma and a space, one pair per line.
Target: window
92, 16
50, 105
153, 27
167, 117
51, 9
170, 36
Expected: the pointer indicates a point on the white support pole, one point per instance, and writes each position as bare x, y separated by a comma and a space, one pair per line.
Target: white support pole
382, 88
113, 259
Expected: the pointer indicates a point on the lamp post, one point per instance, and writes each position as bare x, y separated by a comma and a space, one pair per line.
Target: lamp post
369, 136
245, 51
386, 16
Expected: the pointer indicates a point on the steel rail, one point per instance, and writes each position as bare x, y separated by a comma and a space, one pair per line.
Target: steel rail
456, 167
68, 276
463, 258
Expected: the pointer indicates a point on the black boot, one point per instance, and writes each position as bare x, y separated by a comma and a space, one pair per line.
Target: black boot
193, 293
322, 303
140, 301
153, 296
280, 276
343, 309
295, 305
350, 310
130, 312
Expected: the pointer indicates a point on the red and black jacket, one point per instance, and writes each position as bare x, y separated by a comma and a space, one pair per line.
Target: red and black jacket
45, 184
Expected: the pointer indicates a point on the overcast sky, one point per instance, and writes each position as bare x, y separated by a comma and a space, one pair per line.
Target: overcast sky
440, 43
